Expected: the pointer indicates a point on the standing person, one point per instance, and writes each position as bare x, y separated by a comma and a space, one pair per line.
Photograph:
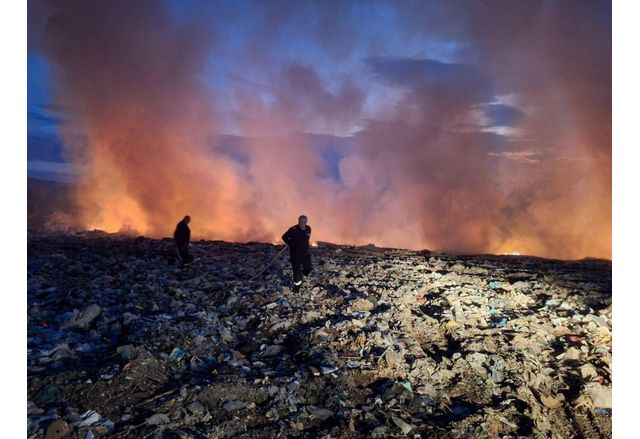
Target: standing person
182, 235
297, 238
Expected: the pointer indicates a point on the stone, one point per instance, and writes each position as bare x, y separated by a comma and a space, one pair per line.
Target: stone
158, 419
571, 354
406, 428
551, 401
600, 321
599, 394
126, 351
319, 412
272, 351
588, 372
196, 408
231, 406
451, 325
84, 318
57, 429
361, 304
310, 316
89, 418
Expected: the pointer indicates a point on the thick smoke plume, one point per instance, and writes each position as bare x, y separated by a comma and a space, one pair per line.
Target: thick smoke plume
507, 148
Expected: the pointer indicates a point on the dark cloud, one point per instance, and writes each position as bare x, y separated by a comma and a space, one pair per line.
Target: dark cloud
434, 75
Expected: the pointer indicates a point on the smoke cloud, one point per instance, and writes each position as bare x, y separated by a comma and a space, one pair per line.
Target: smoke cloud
455, 126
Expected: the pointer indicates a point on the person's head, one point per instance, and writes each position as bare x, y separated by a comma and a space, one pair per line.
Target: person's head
187, 219
302, 221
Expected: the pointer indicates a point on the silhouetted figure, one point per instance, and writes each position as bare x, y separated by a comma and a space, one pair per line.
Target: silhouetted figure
182, 235
297, 238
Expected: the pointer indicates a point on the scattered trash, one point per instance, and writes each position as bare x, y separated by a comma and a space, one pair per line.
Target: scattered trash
328, 369
319, 412
552, 402
497, 322
599, 394
406, 428
574, 339
83, 319
126, 351
376, 343
177, 354
588, 372
89, 418
603, 412
33, 409
158, 419
233, 405
58, 429
272, 351
200, 365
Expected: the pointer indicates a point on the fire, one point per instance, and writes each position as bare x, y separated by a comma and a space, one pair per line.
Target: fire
314, 244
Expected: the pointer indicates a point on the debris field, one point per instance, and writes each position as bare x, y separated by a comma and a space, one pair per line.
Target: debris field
377, 342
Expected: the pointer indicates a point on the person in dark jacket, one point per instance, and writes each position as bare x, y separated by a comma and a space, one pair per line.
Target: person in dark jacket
182, 235
297, 238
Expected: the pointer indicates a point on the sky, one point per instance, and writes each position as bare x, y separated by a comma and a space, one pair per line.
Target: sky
461, 126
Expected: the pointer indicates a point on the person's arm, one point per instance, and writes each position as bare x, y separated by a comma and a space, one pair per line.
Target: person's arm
287, 237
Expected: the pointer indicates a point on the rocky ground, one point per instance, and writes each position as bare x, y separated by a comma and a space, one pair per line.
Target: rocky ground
377, 343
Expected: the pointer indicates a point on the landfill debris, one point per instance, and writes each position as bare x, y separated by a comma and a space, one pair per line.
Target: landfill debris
406, 428
497, 322
599, 394
233, 405
377, 342
328, 369
33, 409
272, 351
158, 419
88, 418
177, 354
58, 429
552, 402
126, 351
319, 412
82, 319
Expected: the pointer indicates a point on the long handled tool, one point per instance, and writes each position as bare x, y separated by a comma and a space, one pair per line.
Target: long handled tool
271, 262
192, 247
201, 250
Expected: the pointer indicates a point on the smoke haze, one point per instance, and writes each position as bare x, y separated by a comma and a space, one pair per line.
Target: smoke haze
457, 126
